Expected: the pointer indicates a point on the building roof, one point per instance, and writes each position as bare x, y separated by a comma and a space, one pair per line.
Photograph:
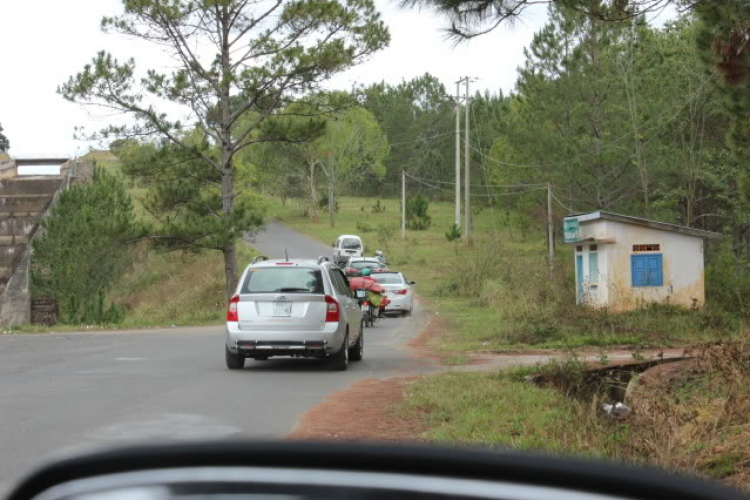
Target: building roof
638, 221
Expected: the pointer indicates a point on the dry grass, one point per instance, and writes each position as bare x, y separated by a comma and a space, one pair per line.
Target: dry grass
174, 288
697, 418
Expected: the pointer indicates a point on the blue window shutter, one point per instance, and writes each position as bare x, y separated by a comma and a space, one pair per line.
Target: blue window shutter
638, 270
647, 270
655, 270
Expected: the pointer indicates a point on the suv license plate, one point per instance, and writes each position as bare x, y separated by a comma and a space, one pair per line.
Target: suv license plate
282, 308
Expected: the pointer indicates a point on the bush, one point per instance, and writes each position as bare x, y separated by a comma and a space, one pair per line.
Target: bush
83, 248
417, 218
378, 208
323, 203
385, 233
728, 280
364, 227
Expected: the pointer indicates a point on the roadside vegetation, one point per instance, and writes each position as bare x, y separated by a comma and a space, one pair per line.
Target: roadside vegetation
96, 260
694, 417
497, 293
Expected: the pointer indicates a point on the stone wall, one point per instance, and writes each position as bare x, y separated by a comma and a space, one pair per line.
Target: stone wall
23, 202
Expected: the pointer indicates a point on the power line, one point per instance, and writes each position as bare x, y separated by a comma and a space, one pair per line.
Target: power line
422, 139
480, 185
492, 195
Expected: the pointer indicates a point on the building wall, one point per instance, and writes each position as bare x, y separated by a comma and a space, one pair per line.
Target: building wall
682, 261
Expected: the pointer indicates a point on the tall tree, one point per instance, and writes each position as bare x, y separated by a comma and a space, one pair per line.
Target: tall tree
4, 142
240, 63
352, 146
724, 36
472, 18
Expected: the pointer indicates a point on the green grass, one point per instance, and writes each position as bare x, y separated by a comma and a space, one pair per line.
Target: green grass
696, 420
497, 409
497, 290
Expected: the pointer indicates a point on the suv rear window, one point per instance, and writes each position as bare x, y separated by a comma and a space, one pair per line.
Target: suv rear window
283, 279
350, 244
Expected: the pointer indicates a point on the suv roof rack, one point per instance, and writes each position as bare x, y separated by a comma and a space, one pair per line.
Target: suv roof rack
258, 258
322, 259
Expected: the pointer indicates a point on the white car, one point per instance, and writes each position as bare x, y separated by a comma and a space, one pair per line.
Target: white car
347, 246
298, 308
398, 289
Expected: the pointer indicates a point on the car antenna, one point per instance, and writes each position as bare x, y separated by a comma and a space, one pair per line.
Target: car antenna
286, 254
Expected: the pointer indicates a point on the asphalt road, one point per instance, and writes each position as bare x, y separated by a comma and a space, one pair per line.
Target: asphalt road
63, 393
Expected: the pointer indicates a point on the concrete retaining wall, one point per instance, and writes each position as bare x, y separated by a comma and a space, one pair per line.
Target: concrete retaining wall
23, 203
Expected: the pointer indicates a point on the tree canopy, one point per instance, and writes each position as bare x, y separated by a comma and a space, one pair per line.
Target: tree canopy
4, 142
240, 65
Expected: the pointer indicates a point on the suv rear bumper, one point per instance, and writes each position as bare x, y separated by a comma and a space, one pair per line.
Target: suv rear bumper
313, 344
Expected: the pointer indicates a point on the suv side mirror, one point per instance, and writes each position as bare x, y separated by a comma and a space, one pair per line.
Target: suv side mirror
412, 282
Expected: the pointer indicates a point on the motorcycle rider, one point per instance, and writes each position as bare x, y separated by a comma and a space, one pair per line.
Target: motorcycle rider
375, 291
380, 256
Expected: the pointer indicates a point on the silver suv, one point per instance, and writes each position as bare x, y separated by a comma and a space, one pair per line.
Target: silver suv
299, 308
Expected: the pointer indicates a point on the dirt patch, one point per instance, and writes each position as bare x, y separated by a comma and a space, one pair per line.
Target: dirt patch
422, 347
363, 412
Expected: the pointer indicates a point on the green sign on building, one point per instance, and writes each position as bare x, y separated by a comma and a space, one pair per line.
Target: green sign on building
570, 230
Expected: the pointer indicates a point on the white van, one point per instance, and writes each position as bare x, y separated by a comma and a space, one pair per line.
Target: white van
348, 245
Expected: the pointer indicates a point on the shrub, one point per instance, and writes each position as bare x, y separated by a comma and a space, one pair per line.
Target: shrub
364, 227
453, 235
323, 203
728, 280
83, 248
417, 218
385, 233
378, 207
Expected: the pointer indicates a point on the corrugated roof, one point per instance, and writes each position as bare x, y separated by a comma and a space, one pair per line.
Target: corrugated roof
639, 221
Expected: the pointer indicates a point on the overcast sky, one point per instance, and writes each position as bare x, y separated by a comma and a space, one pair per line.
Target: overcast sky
65, 35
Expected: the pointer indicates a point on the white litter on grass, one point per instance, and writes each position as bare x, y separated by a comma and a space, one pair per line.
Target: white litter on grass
617, 410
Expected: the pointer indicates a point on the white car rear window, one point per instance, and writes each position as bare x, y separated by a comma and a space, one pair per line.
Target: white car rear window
283, 280
388, 279
351, 244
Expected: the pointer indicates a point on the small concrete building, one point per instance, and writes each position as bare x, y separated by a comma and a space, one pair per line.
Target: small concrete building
623, 262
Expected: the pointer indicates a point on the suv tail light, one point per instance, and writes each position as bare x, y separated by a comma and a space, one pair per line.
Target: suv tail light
403, 291
232, 310
332, 310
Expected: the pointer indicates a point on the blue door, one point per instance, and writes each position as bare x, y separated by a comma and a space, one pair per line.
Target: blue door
579, 279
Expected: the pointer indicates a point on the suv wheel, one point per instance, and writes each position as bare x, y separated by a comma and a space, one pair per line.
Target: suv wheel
234, 361
341, 358
357, 352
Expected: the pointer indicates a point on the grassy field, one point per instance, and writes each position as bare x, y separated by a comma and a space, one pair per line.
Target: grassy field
497, 292
696, 419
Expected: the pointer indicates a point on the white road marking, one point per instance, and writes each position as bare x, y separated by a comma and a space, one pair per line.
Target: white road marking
130, 359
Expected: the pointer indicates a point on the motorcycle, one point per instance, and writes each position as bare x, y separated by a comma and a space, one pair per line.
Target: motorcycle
370, 314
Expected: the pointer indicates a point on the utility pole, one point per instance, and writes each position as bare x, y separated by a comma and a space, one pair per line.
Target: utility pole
467, 185
403, 204
458, 154
550, 231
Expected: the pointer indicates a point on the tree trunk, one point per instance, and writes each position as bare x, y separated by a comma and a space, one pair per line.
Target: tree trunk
313, 194
230, 268
227, 168
331, 205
